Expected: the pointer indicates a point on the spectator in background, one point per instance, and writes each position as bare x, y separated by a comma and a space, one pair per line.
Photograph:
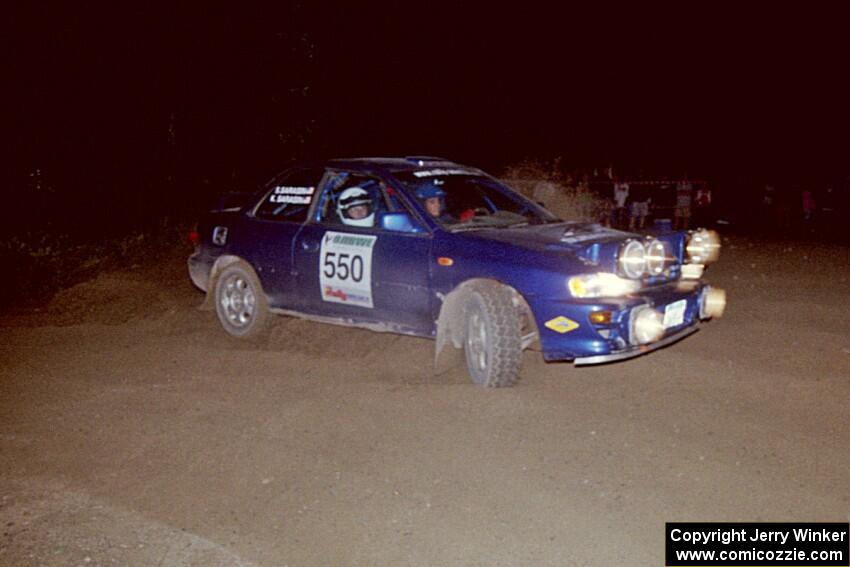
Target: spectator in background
621, 197
808, 205
604, 211
830, 206
639, 206
784, 206
702, 205
768, 204
682, 214
584, 184
829, 202
768, 197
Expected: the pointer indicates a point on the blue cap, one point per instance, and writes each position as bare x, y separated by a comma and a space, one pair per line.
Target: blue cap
428, 190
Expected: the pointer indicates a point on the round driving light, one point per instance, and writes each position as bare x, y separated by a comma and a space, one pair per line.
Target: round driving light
703, 246
713, 303
633, 259
647, 326
656, 257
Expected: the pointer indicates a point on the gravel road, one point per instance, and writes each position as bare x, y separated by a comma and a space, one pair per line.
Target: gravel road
133, 431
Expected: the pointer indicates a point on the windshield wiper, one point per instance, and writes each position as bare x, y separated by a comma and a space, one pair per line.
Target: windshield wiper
470, 227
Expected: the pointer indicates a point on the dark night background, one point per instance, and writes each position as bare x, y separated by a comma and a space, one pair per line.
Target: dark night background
133, 112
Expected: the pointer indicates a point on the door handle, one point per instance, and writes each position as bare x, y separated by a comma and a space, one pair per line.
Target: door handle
309, 245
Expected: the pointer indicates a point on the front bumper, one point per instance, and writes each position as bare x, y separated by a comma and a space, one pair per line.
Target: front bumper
567, 331
636, 351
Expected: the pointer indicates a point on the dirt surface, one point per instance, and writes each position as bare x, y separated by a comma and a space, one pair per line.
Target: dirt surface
133, 431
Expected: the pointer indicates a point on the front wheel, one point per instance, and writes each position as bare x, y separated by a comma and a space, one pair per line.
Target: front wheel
240, 302
493, 345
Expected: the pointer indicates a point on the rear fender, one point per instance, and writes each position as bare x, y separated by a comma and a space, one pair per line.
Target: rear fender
221, 263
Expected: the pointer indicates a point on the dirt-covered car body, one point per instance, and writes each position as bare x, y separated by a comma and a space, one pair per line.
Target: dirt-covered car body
440, 235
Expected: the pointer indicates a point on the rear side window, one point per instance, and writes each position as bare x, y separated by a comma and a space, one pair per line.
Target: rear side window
290, 195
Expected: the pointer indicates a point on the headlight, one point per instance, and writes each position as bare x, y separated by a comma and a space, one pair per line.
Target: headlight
703, 246
601, 285
656, 257
632, 259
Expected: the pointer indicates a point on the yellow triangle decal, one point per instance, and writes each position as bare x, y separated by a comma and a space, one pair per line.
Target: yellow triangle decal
561, 324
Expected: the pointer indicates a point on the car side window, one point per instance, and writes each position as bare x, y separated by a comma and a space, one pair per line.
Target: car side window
352, 199
290, 195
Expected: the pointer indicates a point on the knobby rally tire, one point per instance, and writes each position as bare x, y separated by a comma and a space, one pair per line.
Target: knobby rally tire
493, 345
240, 302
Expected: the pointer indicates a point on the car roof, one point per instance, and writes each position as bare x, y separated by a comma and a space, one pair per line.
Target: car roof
393, 164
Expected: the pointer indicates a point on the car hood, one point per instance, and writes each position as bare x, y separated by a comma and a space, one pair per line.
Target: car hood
588, 244
573, 237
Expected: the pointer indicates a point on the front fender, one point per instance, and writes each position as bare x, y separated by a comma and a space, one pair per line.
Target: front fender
450, 322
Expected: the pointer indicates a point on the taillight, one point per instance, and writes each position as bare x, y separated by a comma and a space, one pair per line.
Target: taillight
195, 238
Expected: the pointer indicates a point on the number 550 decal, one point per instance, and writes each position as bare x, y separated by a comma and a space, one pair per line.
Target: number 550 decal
345, 266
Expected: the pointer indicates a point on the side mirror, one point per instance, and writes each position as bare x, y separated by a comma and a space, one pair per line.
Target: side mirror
399, 222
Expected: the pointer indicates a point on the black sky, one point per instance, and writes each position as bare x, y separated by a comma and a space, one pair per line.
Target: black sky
124, 95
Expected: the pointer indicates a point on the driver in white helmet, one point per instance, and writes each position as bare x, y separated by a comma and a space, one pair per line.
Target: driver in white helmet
355, 207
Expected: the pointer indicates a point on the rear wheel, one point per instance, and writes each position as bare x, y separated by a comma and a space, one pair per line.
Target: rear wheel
493, 345
240, 302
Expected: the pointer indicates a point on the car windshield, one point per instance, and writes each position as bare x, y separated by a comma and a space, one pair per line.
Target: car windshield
461, 201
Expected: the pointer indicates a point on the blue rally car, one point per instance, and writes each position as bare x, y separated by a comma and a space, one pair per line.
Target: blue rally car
427, 247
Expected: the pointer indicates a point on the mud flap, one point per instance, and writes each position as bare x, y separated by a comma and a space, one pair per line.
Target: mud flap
222, 262
209, 302
449, 330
